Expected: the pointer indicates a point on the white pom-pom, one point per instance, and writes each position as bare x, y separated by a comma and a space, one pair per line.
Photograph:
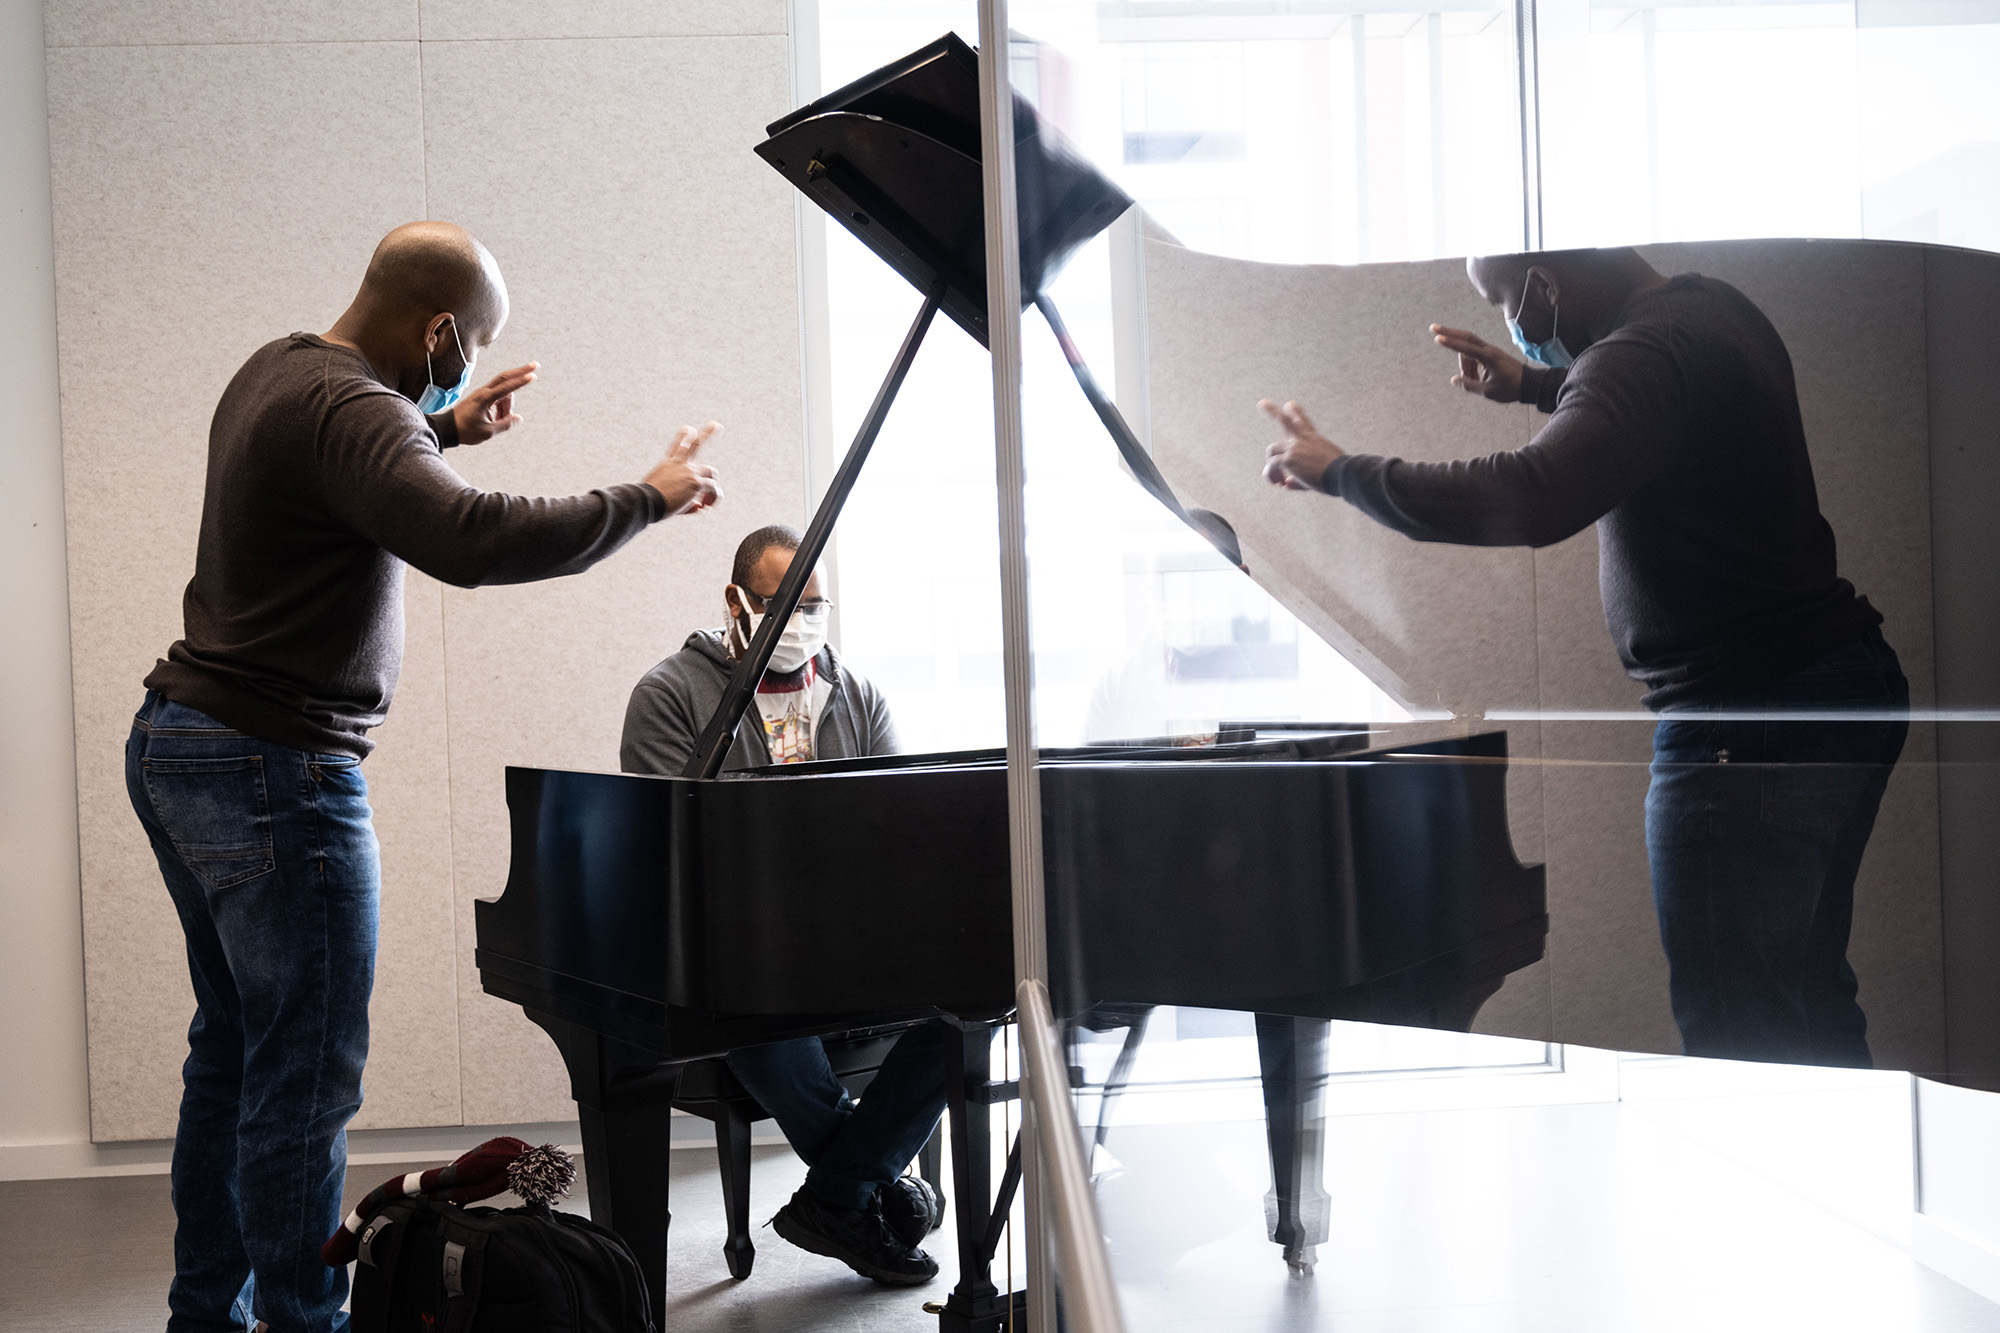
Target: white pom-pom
541, 1175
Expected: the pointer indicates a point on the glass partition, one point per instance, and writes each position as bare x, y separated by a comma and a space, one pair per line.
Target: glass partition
1338, 823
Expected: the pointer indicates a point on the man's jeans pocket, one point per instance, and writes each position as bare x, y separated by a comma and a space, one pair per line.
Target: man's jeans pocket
1821, 772
218, 814
1818, 800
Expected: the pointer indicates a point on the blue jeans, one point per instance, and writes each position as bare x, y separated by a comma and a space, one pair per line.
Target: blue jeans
1755, 826
852, 1150
269, 855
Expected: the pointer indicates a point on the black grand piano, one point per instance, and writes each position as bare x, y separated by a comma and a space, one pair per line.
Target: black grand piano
1300, 874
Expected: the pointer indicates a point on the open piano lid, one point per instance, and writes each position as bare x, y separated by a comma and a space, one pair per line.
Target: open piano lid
894, 157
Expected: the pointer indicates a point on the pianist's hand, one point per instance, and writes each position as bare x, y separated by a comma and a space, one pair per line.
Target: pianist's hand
683, 483
489, 409
1482, 368
1298, 461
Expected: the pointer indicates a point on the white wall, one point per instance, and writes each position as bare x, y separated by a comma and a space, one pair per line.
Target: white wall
1958, 1184
43, 1090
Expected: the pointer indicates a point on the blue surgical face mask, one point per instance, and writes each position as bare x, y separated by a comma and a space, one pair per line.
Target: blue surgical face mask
1551, 353
434, 399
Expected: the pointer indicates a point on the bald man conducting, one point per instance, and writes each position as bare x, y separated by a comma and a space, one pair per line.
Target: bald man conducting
1674, 426
325, 477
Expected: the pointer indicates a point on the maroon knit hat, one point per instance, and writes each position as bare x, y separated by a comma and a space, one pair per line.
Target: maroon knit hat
537, 1175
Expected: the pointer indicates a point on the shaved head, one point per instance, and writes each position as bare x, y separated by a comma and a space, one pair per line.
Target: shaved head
431, 301
1577, 289
424, 268
1500, 276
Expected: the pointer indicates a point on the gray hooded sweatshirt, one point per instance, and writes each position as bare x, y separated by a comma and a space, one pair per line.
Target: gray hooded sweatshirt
673, 702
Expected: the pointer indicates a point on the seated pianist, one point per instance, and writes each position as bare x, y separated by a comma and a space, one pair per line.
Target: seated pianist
856, 1204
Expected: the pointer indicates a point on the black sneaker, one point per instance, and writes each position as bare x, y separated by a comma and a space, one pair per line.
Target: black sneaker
858, 1237
911, 1208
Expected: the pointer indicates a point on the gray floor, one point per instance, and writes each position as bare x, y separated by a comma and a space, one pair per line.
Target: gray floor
1565, 1219
94, 1256
1558, 1219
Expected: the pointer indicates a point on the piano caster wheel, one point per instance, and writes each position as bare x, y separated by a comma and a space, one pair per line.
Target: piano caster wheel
933, 1307
1300, 1259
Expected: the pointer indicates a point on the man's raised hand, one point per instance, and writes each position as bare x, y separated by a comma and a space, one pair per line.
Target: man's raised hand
683, 483
1482, 368
489, 409
1300, 460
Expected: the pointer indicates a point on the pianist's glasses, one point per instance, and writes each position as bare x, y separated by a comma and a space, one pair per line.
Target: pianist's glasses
813, 608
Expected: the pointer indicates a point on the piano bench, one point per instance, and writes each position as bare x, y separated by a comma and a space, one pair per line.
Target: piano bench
706, 1088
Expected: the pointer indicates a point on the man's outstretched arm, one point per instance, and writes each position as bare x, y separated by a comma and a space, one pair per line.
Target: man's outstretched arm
401, 495
1606, 439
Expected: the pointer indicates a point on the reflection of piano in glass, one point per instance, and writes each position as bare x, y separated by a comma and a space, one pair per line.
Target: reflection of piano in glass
1300, 877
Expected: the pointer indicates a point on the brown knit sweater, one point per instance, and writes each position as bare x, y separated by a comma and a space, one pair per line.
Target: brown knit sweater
1678, 434
322, 484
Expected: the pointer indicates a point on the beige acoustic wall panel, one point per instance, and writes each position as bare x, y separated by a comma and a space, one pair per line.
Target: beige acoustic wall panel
225, 22
1519, 637
413, 1066
516, 20
208, 199
650, 257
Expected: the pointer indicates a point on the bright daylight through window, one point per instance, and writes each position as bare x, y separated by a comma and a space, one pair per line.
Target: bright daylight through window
1323, 132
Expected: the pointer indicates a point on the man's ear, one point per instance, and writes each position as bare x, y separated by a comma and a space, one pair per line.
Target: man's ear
732, 600
1549, 286
434, 331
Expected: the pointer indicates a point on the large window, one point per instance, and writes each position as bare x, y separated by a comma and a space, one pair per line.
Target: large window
1930, 120
1312, 135
1305, 132
1696, 121
1140, 628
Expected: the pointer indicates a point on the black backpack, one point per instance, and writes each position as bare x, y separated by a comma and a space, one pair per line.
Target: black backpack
427, 1266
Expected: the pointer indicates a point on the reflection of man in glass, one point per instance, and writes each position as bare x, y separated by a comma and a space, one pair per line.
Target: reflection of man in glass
1674, 426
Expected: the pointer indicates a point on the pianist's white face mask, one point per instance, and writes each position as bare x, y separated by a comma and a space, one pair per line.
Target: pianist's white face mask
798, 645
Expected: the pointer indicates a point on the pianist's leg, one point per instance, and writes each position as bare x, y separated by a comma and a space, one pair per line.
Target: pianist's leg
840, 1210
793, 1081
271, 862
894, 1120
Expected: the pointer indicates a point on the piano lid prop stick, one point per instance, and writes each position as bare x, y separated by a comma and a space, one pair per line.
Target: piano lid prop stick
1144, 470
712, 747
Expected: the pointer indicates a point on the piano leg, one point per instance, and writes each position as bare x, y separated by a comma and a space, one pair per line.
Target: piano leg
1121, 1074
732, 1154
624, 1099
975, 1304
1292, 1055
